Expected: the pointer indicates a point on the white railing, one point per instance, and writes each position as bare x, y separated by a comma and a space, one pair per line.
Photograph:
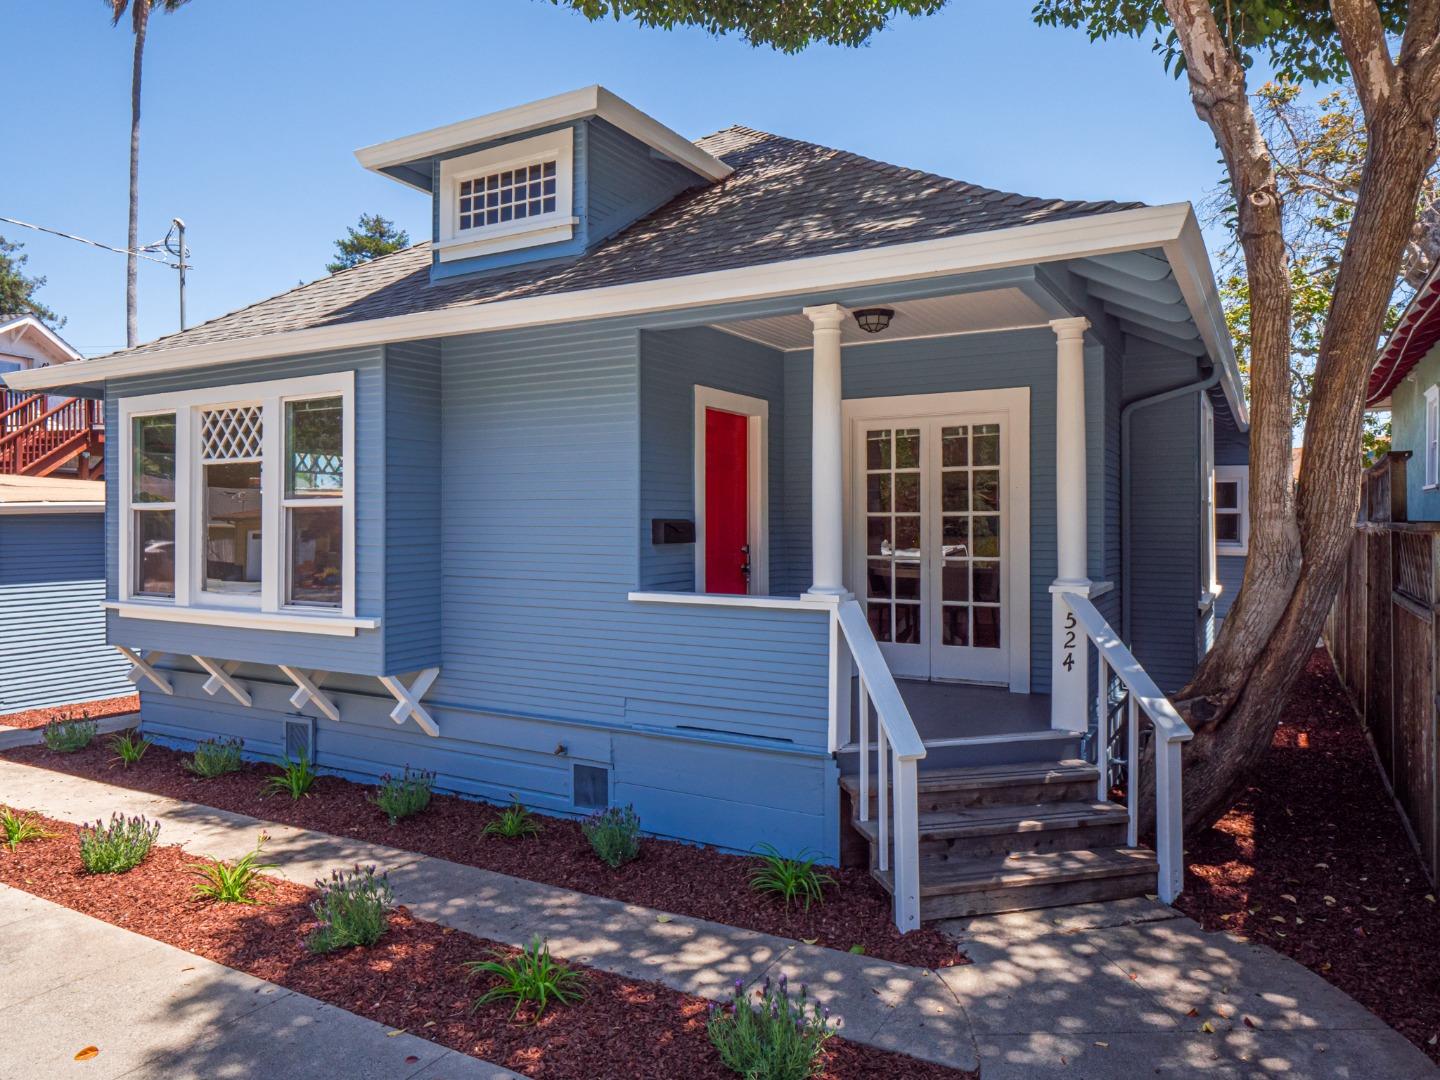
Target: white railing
898, 749
1143, 699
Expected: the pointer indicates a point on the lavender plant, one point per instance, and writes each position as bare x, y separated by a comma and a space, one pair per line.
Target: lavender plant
353, 908
67, 736
118, 846
404, 795
216, 757
614, 833
775, 1037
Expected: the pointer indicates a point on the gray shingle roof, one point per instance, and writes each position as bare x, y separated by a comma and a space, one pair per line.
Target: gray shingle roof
786, 199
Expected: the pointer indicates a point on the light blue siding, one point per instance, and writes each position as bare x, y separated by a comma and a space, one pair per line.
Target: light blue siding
1231, 571
52, 628
1165, 527
412, 506
673, 363
363, 653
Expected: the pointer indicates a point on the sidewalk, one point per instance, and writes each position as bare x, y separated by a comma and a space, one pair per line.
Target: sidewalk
68, 982
1104, 990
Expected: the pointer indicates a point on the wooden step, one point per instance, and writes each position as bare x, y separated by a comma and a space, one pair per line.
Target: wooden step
1002, 829
980, 885
1017, 784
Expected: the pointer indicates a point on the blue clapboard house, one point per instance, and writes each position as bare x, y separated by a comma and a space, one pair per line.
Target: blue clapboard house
791, 496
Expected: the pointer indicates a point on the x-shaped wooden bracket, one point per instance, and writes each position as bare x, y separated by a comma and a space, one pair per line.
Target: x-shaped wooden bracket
143, 670
220, 678
409, 697
308, 689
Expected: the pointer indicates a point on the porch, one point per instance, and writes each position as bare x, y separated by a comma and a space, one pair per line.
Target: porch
930, 471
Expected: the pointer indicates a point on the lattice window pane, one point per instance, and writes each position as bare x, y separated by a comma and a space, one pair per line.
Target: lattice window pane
231, 434
509, 195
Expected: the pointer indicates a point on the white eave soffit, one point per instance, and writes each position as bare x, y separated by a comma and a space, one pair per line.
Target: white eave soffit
574, 105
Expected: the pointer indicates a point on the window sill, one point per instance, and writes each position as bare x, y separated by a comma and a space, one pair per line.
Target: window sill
1232, 551
1208, 597
514, 235
782, 603
288, 621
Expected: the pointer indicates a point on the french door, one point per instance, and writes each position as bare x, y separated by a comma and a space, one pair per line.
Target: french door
931, 549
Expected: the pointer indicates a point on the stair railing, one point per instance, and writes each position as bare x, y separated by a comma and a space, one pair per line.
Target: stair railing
27, 442
898, 749
1143, 701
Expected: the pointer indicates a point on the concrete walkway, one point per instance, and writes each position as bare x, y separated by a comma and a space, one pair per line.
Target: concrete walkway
1095, 992
68, 982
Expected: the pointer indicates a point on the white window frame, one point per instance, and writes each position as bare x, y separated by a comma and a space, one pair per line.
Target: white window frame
757, 412
556, 146
1239, 475
270, 609
1432, 437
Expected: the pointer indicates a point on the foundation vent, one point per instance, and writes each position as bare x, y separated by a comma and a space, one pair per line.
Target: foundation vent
300, 740
591, 787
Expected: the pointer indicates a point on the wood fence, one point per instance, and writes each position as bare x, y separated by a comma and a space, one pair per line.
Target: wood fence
1383, 632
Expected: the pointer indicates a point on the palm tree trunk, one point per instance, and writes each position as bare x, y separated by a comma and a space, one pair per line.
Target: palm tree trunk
132, 262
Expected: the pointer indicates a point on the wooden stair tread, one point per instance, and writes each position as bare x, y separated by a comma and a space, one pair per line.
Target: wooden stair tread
946, 877
1004, 818
992, 776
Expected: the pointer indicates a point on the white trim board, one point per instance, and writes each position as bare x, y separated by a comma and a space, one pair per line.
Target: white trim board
757, 481
592, 100
1013, 403
1171, 227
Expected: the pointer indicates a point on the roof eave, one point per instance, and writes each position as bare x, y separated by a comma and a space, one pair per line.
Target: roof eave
588, 101
1171, 227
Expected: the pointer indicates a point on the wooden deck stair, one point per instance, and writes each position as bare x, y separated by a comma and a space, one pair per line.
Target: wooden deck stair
1015, 836
37, 439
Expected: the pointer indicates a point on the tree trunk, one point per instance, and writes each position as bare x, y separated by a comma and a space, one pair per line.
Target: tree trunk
132, 243
1228, 745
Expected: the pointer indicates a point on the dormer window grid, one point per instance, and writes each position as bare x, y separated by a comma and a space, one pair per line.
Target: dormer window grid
508, 195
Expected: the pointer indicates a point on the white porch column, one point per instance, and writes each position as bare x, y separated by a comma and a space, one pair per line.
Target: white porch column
827, 465
1069, 660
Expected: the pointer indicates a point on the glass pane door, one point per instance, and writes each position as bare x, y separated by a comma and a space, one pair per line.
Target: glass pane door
895, 574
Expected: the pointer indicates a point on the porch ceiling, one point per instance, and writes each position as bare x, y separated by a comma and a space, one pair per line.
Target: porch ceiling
970, 312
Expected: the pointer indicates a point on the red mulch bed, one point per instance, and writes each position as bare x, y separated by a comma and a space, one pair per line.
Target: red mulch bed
413, 977
687, 880
85, 710
1314, 861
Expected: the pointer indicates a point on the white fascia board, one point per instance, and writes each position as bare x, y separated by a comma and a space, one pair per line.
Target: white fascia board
1098, 234
574, 105
30, 322
1190, 263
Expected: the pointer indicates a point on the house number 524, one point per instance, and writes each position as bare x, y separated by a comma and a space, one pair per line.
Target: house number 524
1069, 662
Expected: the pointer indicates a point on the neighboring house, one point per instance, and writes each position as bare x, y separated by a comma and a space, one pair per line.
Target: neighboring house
45, 434
1406, 381
602, 495
52, 582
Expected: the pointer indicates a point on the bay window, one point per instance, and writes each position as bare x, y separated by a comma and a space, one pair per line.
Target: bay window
240, 497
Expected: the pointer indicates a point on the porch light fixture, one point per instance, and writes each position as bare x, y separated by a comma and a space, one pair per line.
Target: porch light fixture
874, 319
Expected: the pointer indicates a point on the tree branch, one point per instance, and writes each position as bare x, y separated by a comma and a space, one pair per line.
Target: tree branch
1362, 37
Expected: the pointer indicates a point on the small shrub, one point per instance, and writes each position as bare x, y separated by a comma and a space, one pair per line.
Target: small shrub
401, 796
215, 757
614, 834
513, 823
19, 828
119, 846
531, 975
775, 1038
230, 883
67, 736
353, 909
129, 747
793, 880
294, 780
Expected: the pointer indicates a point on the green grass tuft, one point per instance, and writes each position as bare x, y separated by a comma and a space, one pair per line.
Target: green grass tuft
514, 823
793, 880
531, 975
129, 747
20, 828
295, 778
230, 883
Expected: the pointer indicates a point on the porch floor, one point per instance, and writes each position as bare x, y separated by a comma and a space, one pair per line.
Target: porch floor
945, 711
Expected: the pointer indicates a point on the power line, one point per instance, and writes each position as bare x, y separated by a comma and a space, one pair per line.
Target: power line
92, 243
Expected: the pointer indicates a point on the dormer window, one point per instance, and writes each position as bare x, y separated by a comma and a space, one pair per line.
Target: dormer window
506, 197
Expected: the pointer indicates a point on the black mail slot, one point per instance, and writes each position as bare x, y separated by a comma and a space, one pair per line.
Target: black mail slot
672, 531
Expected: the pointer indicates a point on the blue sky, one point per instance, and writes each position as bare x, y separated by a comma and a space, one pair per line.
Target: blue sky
252, 112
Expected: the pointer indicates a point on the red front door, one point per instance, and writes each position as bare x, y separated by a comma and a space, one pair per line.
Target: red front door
727, 521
